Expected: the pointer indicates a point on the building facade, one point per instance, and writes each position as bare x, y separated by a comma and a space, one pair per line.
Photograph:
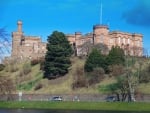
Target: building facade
26, 46
32, 47
132, 43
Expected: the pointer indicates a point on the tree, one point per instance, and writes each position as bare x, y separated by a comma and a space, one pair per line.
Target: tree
79, 79
95, 76
116, 56
86, 48
57, 58
4, 43
7, 87
94, 60
102, 47
126, 84
124, 87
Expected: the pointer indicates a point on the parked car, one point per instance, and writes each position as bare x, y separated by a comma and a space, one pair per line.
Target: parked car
111, 99
57, 98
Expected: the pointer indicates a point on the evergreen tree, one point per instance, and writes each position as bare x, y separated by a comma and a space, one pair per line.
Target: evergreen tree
116, 56
57, 58
94, 60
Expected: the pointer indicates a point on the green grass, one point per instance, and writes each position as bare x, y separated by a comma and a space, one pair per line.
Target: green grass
29, 85
136, 106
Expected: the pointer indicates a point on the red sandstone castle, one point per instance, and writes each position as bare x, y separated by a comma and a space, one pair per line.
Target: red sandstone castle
130, 42
26, 46
32, 46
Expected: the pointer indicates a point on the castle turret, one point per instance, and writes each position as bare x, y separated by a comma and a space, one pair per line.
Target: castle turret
100, 33
77, 35
16, 40
19, 26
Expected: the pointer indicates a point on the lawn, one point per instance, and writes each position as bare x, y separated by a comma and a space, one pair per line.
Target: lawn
117, 106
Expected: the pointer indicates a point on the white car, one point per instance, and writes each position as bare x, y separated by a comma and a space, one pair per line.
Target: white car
57, 98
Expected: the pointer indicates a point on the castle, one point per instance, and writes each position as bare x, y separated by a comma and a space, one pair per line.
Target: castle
132, 43
26, 46
32, 47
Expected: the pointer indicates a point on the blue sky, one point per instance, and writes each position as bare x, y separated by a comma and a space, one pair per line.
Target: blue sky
42, 17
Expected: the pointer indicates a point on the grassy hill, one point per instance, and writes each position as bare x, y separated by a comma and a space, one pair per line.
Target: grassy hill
29, 79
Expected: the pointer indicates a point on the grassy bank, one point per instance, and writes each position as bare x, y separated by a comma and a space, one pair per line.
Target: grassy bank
137, 106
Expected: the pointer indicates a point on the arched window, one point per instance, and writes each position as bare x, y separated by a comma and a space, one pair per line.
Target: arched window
118, 40
128, 40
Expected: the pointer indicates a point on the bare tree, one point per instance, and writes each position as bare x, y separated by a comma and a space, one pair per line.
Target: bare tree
86, 48
6, 87
102, 47
4, 43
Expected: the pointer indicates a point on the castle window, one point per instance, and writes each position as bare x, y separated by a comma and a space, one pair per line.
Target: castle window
124, 40
101, 39
128, 41
119, 40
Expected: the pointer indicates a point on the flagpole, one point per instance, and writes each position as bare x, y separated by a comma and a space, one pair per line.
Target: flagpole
101, 14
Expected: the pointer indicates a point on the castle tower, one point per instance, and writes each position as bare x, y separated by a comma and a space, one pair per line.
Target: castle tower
78, 35
100, 34
16, 40
19, 23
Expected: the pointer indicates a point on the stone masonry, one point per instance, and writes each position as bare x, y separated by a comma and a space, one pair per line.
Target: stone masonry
32, 47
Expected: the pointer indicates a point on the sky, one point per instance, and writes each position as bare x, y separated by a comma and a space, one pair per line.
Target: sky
42, 17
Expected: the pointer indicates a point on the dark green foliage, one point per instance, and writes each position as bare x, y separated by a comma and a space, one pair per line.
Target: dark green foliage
95, 59
57, 59
116, 56
2, 66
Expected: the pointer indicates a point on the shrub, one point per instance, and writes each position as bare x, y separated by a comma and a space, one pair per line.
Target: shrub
116, 70
12, 66
95, 76
42, 61
26, 68
144, 75
34, 62
7, 87
38, 86
21, 73
94, 60
116, 56
79, 79
2, 66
